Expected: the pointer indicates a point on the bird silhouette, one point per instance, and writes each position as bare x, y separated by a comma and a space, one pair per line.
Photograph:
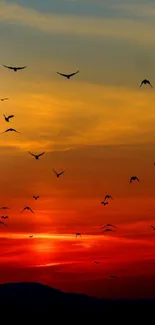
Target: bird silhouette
4, 217
36, 197
31, 236
153, 227
144, 82
68, 76
104, 203
2, 223
134, 178
108, 225
96, 262
11, 130
14, 68
27, 208
113, 276
7, 118
5, 98
36, 156
58, 174
108, 230
108, 197
4, 208
78, 234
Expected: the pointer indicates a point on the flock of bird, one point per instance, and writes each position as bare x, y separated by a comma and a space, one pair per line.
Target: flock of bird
107, 227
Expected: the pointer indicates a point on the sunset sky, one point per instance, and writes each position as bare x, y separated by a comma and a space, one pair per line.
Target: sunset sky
99, 126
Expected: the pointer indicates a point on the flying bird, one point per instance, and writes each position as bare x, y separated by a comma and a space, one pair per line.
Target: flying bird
4, 217
108, 225
153, 227
36, 156
36, 197
4, 208
78, 234
144, 82
104, 203
107, 230
96, 262
108, 197
10, 130
2, 223
14, 68
8, 117
27, 208
31, 236
58, 174
5, 98
68, 76
113, 276
134, 178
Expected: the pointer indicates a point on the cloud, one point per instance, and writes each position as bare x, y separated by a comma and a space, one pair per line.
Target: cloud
73, 25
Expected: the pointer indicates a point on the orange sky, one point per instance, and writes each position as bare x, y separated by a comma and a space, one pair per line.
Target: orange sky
98, 126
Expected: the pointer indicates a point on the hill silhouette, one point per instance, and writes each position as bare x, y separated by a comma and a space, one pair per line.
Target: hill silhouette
35, 300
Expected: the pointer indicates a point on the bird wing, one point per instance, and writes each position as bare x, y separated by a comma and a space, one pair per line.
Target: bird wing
63, 74
23, 210
41, 154
72, 74
55, 172
20, 68
14, 130
10, 116
131, 179
31, 154
141, 83
61, 172
153, 227
150, 84
3, 223
6, 66
31, 210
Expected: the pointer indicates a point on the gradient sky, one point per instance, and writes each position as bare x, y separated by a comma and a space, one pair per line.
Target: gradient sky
98, 126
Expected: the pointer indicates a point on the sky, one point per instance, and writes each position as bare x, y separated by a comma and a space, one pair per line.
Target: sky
98, 126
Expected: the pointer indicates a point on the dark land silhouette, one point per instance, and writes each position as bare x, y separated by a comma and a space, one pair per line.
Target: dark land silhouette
34, 299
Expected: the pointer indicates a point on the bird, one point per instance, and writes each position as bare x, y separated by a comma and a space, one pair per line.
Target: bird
4, 217
11, 130
27, 208
108, 225
108, 197
113, 276
104, 203
36, 156
14, 68
78, 234
68, 76
107, 230
8, 117
134, 178
2, 223
4, 208
153, 227
31, 236
58, 174
36, 197
96, 262
5, 98
145, 81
